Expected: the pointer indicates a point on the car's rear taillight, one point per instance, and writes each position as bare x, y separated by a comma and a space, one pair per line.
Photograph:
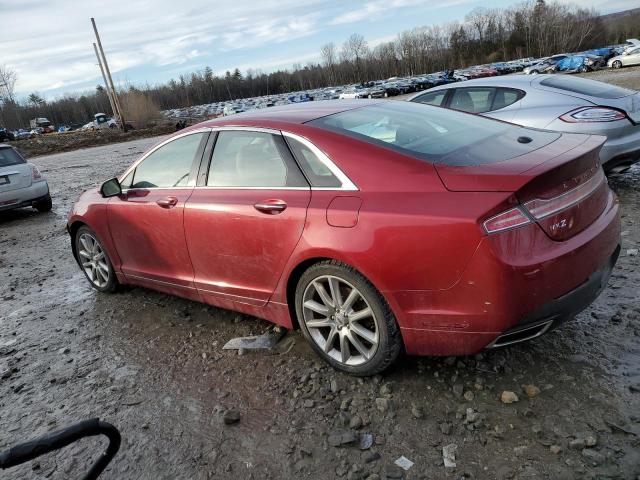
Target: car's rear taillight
35, 173
593, 114
506, 221
541, 208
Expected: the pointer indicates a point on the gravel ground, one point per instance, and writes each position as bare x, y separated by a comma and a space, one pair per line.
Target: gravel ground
153, 365
628, 77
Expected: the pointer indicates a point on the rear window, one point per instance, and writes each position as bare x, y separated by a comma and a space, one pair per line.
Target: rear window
435, 134
586, 87
8, 157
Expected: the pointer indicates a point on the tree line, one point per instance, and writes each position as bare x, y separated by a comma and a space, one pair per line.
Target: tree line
531, 29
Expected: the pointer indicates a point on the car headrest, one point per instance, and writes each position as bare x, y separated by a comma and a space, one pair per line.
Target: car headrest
463, 101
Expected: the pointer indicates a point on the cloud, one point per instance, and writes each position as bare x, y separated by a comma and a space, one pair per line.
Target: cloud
49, 44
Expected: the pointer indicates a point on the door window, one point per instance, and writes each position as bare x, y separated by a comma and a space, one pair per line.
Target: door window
432, 98
252, 159
170, 165
317, 172
472, 100
505, 97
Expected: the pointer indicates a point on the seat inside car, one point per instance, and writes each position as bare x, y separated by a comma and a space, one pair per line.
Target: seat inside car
462, 101
499, 100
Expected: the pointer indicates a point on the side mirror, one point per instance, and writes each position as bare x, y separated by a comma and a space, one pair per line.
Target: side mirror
111, 188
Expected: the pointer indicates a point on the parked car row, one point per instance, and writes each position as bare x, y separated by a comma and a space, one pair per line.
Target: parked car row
615, 57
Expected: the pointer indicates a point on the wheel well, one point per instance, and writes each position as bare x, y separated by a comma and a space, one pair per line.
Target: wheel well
292, 283
73, 229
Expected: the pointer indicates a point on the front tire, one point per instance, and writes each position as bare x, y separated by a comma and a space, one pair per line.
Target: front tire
94, 261
346, 320
617, 64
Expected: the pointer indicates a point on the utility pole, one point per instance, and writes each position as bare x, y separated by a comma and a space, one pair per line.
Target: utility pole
116, 101
104, 77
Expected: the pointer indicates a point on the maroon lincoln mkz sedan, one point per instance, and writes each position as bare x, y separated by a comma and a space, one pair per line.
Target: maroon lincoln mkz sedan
373, 226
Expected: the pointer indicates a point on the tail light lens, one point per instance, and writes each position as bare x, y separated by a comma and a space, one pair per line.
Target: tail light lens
541, 208
36, 175
593, 114
506, 221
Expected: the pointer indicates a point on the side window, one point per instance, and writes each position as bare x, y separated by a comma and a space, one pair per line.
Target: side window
505, 97
317, 172
170, 165
252, 159
472, 100
432, 98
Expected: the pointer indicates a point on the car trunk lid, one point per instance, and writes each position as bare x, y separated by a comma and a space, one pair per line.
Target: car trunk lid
561, 186
14, 177
598, 93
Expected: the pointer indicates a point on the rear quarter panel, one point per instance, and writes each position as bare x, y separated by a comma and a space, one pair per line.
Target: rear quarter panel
539, 109
411, 233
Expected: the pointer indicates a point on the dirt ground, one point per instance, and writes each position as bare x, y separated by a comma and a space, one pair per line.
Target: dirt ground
64, 142
628, 77
153, 365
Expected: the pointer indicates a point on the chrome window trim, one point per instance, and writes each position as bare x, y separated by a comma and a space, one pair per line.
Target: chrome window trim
243, 128
215, 187
347, 184
135, 164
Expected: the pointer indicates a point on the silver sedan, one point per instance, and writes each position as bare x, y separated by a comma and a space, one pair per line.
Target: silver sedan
553, 102
21, 183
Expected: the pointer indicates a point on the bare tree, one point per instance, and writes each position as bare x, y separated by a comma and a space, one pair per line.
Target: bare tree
355, 49
8, 78
329, 57
479, 19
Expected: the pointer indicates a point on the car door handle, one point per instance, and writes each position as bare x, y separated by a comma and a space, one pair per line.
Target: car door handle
167, 202
271, 207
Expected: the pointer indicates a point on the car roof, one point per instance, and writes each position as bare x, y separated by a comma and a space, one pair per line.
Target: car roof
510, 81
295, 113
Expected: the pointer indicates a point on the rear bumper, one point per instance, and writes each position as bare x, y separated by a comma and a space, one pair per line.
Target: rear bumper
23, 197
514, 279
557, 311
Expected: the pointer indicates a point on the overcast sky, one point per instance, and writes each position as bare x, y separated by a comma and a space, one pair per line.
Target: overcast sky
48, 42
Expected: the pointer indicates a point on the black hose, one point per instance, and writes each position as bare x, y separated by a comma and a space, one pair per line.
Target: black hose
24, 452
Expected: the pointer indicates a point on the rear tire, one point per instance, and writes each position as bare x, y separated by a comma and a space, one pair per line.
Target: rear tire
94, 261
44, 205
346, 320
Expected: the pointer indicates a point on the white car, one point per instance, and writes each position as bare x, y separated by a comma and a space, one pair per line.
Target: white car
21, 183
631, 56
631, 43
354, 93
232, 109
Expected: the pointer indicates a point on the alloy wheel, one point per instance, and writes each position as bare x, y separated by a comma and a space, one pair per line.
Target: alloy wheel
340, 320
93, 260
617, 64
